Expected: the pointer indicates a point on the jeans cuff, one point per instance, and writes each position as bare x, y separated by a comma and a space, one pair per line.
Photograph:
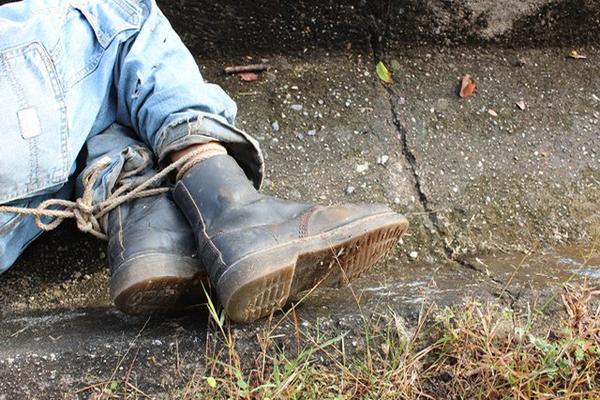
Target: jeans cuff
204, 128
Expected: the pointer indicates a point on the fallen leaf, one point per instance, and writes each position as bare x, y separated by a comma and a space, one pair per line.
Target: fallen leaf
248, 76
574, 54
212, 382
492, 113
468, 87
521, 104
383, 73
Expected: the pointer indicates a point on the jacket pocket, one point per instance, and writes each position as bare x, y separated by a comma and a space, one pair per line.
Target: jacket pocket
34, 146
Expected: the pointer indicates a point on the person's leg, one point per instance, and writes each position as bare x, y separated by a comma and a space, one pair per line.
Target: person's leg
151, 250
258, 250
18, 231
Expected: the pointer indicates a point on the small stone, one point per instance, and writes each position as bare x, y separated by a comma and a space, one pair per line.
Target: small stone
442, 104
382, 160
312, 132
321, 102
297, 107
350, 189
413, 255
362, 167
275, 126
492, 113
521, 104
87, 277
397, 201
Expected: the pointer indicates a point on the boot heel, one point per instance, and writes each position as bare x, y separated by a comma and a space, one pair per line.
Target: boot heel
253, 296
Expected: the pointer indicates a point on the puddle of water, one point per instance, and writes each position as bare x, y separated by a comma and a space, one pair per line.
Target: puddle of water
409, 284
541, 270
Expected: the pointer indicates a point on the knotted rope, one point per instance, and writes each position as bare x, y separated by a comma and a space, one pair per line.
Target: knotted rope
88, 215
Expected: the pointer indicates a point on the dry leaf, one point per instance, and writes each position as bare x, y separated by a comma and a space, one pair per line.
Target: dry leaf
468, 87
248, 76
383, 73
521, 104
574, 54
492, 113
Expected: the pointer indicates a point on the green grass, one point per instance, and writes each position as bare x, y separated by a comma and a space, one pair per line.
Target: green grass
468, 351
471, 351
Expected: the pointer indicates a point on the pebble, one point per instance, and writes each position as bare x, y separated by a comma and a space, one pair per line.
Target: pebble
382, 160
275, 126
396, 200
312, 132
362, 167
413, 255
350, 189
297, 107
442, 104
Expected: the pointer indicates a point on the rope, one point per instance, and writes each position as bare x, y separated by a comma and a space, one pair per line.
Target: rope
88, 215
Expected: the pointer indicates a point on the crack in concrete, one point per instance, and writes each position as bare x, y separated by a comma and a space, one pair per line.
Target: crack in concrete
378, 35
423, 199
411, 160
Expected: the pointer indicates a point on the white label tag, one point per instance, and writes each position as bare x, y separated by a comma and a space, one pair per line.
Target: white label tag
29, 122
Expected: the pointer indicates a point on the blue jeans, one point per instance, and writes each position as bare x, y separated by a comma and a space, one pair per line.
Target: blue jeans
111, 75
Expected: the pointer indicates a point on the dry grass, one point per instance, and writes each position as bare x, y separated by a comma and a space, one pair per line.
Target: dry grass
469, 351
472, 351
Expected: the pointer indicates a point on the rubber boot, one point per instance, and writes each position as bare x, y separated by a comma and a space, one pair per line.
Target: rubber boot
152, 256
259, 251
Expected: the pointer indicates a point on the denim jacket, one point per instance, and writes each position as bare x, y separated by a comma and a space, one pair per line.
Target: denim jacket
71, 68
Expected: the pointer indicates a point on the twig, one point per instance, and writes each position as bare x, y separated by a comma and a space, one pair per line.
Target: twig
236, 69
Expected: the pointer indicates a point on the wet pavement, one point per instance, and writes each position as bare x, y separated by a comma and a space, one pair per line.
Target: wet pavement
503, 207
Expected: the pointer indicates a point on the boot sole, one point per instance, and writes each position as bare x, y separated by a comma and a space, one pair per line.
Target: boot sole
262, 282
155, 284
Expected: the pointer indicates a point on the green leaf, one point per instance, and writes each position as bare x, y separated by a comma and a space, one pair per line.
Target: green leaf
211, 382
242, 384
113, 386
383, 73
